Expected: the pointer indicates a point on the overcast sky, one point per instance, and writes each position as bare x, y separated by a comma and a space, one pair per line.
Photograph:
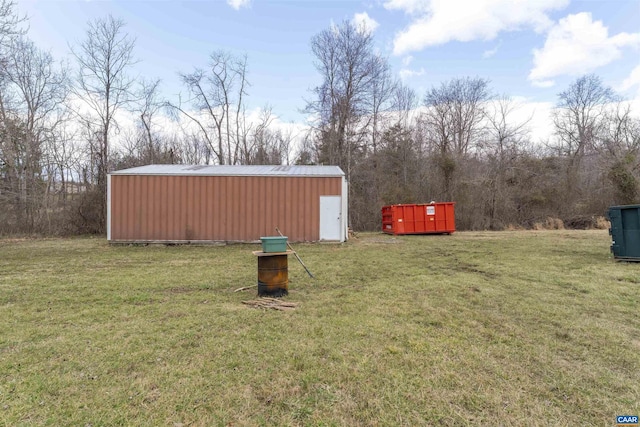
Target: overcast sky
530, 49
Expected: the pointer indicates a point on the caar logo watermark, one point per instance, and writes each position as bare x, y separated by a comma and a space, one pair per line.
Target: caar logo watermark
627, 420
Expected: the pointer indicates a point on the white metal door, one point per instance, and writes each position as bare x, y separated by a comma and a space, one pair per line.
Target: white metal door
330, 217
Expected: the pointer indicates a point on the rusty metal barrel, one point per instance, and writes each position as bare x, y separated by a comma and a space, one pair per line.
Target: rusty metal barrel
273, 275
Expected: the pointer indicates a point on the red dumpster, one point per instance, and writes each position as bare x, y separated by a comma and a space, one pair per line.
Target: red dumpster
430, 218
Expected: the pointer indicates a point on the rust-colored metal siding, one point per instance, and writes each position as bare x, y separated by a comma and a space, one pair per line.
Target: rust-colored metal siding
210, 208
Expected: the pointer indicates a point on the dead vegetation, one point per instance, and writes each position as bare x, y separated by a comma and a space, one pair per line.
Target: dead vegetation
271, 303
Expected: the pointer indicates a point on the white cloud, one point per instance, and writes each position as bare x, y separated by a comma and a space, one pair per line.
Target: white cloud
535, 116
543, 83
632, 81
406, 73
364, 21
407, 60
441, 21
577, 45
491, 52
239, 4
539, 115
408, 6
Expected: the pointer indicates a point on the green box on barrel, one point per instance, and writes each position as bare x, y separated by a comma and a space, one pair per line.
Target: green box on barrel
274, 244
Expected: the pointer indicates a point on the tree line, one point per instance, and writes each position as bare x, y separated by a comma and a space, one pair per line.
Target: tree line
461, 142
64, 127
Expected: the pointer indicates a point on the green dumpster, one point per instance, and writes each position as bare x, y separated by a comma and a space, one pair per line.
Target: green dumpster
625, 232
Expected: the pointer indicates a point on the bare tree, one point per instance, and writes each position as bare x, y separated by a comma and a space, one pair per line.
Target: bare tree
456, 111
267, 144
349, 106
505, 139
405, 101
105, 87
149, 107
383, 90
38, 89
194, 151
307, 151
619, 146
578, 116
217, 95
353, 86
285, 140
10, 23
10, 125
400, 163
578, 119
65, 156
453, 123
620, 132
254, 147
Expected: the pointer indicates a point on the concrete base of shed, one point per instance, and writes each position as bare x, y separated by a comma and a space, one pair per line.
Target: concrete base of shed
183, 242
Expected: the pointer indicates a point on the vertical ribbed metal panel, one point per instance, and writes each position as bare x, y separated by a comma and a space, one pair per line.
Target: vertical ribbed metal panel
179, 208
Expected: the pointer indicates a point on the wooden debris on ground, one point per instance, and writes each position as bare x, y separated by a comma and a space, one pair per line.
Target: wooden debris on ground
246, 288
272, 303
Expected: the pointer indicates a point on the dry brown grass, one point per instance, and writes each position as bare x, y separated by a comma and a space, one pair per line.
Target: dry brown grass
549, 224
602, 223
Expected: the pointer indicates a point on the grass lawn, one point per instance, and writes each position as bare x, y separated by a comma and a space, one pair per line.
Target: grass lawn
511, 328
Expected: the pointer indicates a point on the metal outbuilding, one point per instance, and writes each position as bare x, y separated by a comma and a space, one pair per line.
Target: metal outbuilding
182, 203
